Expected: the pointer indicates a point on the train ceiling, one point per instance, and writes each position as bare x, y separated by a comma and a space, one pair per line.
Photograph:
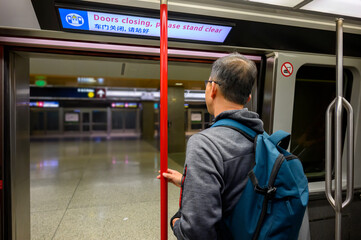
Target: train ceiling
254, 25
350, 8
336, 8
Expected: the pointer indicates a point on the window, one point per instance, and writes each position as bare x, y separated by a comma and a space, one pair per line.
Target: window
314, 91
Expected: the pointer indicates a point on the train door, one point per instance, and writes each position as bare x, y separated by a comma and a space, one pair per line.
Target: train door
298, 90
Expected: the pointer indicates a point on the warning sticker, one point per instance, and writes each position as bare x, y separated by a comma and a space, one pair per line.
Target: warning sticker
287, 69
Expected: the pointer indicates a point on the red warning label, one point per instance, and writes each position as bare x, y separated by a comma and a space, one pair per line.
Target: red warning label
287, 69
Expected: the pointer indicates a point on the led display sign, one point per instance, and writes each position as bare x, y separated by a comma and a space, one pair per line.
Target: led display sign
141, 26
124, 105
45, 104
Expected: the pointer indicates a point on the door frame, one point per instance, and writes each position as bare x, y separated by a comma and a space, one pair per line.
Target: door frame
48, 42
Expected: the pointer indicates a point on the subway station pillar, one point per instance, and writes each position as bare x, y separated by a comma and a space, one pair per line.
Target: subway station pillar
176, 131
148, 121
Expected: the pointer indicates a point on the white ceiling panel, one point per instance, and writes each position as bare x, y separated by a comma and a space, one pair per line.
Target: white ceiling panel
284, 3
351, 8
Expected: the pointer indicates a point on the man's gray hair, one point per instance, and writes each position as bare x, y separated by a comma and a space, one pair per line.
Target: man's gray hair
236, 75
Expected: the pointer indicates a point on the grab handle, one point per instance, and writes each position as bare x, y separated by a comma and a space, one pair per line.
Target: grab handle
350, 156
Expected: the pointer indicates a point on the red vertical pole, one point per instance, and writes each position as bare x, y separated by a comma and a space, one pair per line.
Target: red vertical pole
163, 118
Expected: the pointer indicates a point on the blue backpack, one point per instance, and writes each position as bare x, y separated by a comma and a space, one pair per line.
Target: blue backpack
273, 203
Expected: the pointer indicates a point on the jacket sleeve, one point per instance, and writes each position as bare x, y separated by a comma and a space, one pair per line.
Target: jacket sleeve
201, 201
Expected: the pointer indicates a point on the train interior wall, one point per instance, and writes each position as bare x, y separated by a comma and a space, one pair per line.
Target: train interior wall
308, 143
90, 170
299, 106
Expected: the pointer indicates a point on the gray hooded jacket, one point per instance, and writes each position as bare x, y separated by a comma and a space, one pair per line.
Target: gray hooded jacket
215, 174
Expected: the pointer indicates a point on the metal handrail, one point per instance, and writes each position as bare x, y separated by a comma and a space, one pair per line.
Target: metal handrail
337, 105
350, 156
328, 168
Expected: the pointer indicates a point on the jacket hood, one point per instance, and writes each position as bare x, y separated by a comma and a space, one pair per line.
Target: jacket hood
244, 116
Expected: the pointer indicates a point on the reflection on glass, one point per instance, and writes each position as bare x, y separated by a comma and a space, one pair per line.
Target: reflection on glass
130, 118
71, 127
315, 89
52, 120
99, 127
99, 116
36, 120
45, 164
117, 119
86, 117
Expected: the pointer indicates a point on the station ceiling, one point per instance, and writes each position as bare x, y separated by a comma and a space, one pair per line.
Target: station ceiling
80, 71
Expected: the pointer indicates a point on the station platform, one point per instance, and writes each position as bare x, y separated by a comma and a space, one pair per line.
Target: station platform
96, 188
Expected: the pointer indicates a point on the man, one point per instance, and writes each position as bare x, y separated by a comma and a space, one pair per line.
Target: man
217, 159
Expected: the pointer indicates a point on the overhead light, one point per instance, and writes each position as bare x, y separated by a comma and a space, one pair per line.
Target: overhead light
351, 8
100, 80
283, 3
189, 95
86, 80
194, 95
119, 93
179, 84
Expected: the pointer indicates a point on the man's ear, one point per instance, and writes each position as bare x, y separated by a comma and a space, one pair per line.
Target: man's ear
249, 98
214, 90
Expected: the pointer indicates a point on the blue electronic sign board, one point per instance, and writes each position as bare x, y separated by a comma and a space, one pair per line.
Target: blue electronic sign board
62, 92
141, 26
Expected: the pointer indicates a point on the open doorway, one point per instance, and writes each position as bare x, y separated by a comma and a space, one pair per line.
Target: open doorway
86, 172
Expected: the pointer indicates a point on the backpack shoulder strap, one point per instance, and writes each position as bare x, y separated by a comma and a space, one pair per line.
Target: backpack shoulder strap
280, 138
233, 123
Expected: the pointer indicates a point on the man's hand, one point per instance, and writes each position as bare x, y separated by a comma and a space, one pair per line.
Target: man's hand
174, 220
172, 176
